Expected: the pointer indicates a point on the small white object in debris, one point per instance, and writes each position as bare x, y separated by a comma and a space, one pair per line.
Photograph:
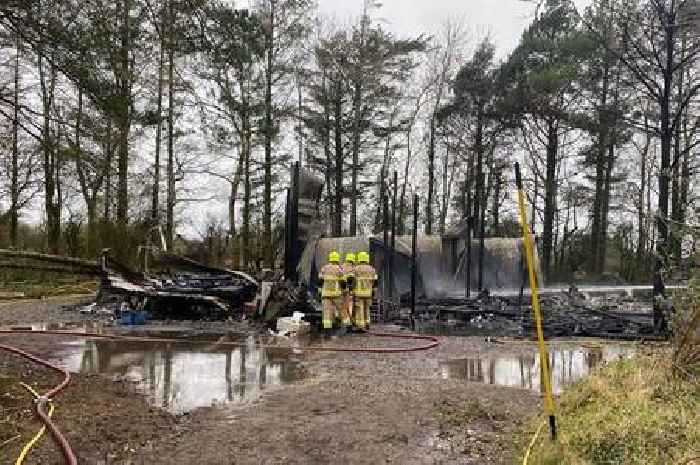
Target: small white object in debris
297, 316
287, 325
89, 308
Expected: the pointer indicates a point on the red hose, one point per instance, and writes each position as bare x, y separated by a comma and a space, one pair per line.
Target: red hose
41, 402
434, 342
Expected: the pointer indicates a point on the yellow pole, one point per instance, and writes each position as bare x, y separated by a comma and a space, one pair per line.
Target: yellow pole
544, 359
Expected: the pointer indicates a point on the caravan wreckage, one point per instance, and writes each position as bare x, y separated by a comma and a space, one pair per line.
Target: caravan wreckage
173, 287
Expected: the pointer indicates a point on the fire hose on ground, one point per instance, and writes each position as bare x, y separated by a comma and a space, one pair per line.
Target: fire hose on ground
32, 442
42, 400
40, 405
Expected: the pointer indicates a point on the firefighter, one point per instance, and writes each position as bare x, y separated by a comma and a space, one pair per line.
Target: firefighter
365, 281
349, 298
332, 283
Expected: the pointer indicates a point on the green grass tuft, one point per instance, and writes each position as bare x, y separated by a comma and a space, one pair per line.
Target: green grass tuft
631, 412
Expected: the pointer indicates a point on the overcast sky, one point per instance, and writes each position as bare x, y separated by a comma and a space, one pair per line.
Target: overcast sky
503, 20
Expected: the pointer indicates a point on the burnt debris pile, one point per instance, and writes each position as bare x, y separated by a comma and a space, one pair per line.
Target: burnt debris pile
175, 287
565, 314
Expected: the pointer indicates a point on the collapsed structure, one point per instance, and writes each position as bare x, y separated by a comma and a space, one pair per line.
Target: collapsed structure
448, 267
171, 286
440, 261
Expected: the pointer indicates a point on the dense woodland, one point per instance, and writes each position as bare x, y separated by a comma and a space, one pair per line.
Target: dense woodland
119, 116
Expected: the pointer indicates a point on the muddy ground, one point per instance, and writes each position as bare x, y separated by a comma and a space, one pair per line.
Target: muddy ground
348, 408
49, 310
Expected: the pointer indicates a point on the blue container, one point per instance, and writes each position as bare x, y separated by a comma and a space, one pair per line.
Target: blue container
128, 318
140, 318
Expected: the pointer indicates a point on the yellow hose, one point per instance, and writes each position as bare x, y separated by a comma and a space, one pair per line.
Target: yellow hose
532, 442
35, 439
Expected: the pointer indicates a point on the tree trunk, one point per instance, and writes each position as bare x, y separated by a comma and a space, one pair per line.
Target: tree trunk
383, 173
378, 215
246, 208
246, 152
431, 178
666, 130
155, 200
550, 196
235, 256
327, 147
107, 215
446, 188
496, 200
357, 103
470, 226
300, 119
14, 169
641, 240
603, 245
338, 220
479, 148
402, 202
685, 174
267, 203
357, 118
171, 196
600, 169
92, 236
51, 195
88, 196
124, 125
535, 193
676, 207
235, 252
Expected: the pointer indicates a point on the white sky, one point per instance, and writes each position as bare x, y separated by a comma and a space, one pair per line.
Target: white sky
503, 20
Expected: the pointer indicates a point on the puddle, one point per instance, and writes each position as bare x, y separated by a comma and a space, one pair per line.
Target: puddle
568, 365
183, 376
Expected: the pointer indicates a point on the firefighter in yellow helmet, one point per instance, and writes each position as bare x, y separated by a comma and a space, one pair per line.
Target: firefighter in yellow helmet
332, 283
365, 281
349, 275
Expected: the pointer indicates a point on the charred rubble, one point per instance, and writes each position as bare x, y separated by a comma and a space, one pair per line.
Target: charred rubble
565, 314
175, 287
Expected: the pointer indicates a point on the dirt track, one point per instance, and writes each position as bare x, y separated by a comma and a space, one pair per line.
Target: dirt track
350, 408
50, 310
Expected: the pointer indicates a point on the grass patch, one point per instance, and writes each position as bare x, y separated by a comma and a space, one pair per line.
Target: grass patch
449, 414
631, 412
16, 416
37, 285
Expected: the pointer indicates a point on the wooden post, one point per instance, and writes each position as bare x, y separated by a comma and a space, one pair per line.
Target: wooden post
385, 254
482, 221
287, 237
294, 221
393, 237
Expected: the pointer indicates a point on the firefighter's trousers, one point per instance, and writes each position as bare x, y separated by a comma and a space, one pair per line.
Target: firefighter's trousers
332, 306
362, 306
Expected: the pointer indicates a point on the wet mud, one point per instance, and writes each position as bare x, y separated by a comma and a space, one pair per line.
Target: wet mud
231, 393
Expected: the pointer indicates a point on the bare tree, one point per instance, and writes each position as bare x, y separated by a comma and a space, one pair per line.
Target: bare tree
443, 60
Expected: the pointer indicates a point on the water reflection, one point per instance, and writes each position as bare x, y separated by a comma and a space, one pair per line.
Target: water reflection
567, 364
183, 376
